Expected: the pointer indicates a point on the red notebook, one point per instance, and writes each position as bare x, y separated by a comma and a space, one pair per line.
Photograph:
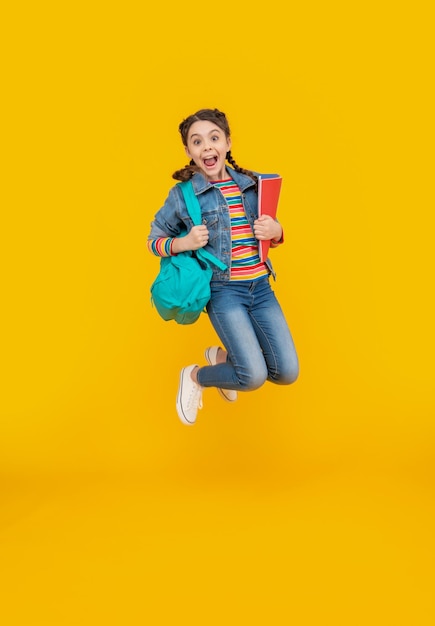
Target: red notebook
269, 187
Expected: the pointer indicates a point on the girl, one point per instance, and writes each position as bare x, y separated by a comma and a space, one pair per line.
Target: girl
243, 308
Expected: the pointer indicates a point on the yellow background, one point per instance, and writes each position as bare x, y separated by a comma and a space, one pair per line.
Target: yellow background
311, 504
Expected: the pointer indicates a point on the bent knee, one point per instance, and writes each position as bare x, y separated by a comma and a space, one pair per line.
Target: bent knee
287, 377
252, 381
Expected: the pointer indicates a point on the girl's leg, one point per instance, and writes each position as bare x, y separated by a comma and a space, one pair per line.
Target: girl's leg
251, 326
274, 336
245, 368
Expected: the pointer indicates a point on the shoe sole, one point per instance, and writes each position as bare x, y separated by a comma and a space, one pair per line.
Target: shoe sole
220, 391
178, 403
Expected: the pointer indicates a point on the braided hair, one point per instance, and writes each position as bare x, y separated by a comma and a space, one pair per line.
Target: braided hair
216, 117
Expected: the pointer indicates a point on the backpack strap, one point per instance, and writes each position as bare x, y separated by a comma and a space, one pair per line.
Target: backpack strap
194, 210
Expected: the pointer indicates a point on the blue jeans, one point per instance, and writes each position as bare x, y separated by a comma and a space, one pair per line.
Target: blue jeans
251, 326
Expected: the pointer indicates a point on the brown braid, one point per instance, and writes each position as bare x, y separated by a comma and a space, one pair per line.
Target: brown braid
186, 172
241, 169
216, 117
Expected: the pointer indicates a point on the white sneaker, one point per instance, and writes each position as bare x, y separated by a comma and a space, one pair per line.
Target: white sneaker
189, 397
211, 355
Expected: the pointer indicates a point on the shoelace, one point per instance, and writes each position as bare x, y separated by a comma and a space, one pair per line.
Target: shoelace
195, 398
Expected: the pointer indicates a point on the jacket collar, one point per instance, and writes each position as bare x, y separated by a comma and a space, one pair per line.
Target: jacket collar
200, 183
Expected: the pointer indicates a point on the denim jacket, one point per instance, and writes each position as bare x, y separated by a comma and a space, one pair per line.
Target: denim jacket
173, 219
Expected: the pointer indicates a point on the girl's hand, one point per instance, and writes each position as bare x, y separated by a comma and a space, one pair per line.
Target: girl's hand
197, 238
265, 228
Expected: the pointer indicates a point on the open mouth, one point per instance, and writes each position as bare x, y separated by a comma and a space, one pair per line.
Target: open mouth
210, 162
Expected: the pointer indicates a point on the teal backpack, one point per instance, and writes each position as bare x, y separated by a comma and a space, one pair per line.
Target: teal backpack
181, 289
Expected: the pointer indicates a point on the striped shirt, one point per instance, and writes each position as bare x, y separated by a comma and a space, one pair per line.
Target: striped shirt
161, 246
245, 260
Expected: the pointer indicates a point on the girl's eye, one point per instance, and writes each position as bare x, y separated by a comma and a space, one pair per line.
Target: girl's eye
196, 142
215, 138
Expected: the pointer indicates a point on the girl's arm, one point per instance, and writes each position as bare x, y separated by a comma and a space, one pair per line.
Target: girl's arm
165, 238
169, 246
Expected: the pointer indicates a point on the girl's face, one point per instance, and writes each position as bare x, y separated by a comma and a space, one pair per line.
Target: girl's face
208, 145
